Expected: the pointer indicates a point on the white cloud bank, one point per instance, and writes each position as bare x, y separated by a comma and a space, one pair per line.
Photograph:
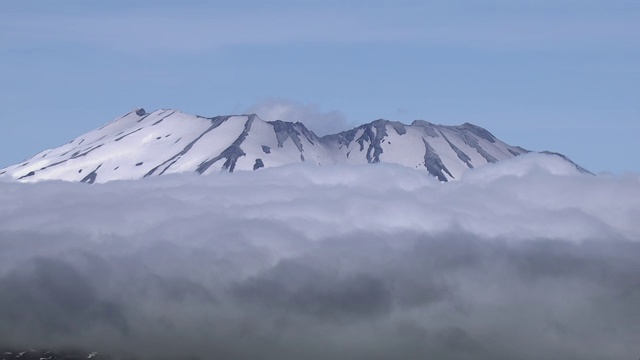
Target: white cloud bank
334, 262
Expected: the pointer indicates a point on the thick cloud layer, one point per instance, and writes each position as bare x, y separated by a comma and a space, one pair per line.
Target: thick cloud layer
372, 262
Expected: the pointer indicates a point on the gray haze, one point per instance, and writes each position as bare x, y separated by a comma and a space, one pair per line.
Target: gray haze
516, 261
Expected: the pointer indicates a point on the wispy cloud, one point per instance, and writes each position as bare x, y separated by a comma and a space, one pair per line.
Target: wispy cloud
321, 122
497, 25
195, 32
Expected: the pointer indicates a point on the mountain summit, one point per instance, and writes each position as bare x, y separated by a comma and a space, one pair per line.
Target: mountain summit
140, 144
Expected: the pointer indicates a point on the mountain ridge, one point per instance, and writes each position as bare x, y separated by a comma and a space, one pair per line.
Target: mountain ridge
139, 144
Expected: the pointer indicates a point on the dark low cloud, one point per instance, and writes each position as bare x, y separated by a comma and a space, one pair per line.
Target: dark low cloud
294, 286
375, 262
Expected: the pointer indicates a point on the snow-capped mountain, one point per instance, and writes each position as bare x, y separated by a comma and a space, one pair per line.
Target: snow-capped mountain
141, 144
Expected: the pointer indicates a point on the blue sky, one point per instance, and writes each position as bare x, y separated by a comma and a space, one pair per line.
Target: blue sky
554, 75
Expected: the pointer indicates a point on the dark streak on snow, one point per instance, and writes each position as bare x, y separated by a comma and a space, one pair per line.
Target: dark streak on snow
31, 173
124, 136
162, 118
121, 117
266, 149
215, 122
434, 164
232, 153
91, 177
54, 164
461, 155
473, 142
139, 112
75, 155
78, 154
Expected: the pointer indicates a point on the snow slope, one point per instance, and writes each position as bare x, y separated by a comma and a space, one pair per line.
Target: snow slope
141, 144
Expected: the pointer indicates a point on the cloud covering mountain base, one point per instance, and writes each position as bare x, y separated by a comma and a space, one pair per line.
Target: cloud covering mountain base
519, 259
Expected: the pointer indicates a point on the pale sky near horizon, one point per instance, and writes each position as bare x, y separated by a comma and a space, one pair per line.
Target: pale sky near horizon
558, 75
